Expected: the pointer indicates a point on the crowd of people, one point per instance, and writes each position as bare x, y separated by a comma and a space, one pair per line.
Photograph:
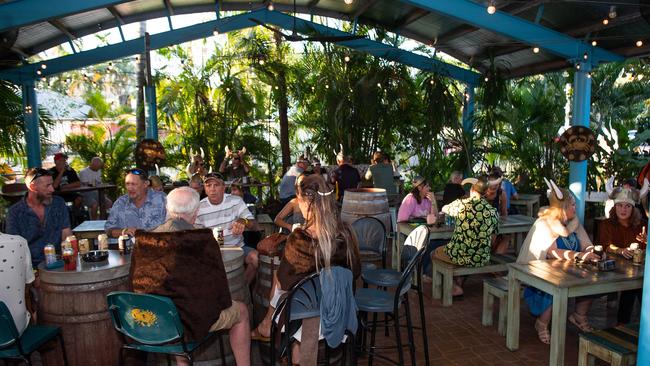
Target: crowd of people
194, 221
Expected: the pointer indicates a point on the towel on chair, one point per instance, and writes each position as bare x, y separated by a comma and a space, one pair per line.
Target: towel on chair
338, 309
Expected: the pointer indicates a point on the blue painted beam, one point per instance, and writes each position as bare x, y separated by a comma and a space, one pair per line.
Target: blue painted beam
516, 28
152, 118
224, 25
581, 112
20, 13
32, 134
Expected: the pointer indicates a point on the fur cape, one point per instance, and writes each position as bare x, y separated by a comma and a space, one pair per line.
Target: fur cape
544, 233
187, 267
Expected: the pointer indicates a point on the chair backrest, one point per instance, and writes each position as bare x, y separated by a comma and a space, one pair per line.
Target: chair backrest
371, 234
8, 332
417, 239
147, 319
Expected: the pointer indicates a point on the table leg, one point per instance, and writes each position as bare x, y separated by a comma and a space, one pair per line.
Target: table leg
397, 251
558, 326
512, 331
102, 204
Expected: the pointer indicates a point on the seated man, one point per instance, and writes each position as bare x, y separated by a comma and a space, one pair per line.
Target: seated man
238, 167
91, 176
39, 217
140, 208
64, 177
17, 275
166, 262
230, 213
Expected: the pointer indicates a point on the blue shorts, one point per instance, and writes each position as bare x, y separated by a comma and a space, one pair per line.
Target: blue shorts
247, 250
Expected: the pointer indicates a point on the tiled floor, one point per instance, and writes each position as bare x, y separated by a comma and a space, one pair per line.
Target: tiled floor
456, 336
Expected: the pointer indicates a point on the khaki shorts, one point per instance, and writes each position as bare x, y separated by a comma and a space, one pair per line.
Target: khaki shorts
227, 319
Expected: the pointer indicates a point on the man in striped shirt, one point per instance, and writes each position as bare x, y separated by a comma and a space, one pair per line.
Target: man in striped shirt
228, 212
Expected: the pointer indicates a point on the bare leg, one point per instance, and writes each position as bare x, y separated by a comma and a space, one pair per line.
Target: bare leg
93, 210
295, 353
264, 328
252, 262
583, 305
240, 336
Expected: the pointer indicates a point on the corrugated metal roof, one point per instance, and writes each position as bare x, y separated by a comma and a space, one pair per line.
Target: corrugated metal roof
472, 46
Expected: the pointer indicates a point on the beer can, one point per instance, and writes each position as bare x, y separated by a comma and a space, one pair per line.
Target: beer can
50, 254
122, 242
65, 245
69, 260
219, 236
102, 242
637, 257
84, 246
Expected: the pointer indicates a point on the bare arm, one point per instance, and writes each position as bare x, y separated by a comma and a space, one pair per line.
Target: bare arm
503, 204
286, 211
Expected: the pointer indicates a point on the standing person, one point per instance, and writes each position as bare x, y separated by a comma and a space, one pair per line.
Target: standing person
624, 227
323, 241
556, 234
288, 182
508, 188
203, 302
419, 203
230, 213
17, 276
237, 167
64, 177
476, 223
140, 208
453, 189
381, 173
40, 217
345, 176
91, 176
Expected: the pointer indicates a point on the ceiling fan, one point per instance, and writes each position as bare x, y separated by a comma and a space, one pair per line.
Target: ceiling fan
295, 37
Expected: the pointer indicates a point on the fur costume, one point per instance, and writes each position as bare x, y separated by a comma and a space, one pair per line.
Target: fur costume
544, 233
187, 267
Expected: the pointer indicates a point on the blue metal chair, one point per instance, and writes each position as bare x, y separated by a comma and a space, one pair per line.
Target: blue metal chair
301, 302
371, 236
152, 324
14, 346
379, 301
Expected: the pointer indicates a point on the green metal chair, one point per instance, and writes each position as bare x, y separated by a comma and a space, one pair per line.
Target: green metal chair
152, 324
20, 347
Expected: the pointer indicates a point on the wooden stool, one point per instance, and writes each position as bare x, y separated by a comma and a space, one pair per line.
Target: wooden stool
617, 345
495, 288
444, 273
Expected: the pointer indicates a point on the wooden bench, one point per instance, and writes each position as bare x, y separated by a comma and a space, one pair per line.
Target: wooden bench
495, 288
444, 273
617, 345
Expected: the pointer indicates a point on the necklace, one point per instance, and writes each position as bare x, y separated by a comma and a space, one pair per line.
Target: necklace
571, 242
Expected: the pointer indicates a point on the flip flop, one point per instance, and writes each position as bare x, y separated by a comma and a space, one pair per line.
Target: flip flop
257, 336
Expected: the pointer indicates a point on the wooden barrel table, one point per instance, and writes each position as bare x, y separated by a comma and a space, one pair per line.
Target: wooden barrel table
364, 202
76, 302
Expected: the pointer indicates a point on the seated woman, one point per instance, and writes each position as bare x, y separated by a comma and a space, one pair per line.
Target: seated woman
624, 227
453, 189
290, 214
323, 241
419, 203
476, 222
556, 234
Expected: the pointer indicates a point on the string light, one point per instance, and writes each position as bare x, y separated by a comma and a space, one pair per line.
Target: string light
38, 72
349, 2
605, 21
215, 32
347, 58
491, 9
589, 75
535, 49
577, 66
261, 62
612, 12
585, 56
379, 85
431, 82
43, 66
270, 7
639, 43
486, 79
594, 43
327, 86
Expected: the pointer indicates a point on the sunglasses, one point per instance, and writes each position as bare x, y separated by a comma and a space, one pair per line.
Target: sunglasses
39, 172
138, 172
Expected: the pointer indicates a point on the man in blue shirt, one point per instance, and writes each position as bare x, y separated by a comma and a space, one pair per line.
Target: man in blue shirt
41, 218
508, 187
140, 208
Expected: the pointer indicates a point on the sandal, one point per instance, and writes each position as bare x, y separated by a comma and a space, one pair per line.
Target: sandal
581, 322
256, 335
542, 332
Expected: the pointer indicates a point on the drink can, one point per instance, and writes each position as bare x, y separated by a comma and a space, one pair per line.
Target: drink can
84, 246
598, 250
219, 236
74, 243
637, 257
65, 245
122, 243
50, 254
69, 260
102, 242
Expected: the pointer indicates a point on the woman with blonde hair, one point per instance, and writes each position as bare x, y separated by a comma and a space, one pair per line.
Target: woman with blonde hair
323, 241
556, 234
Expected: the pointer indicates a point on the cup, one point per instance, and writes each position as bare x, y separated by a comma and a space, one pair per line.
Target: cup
598, 250
69, 260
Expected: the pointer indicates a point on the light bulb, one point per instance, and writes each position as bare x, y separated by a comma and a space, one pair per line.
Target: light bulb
639, 43
215, 33
43, 66
349, 1
270, 7
346, 58
589, 75
585, 56
486, 79
491, 9
535, 49
38, 72
612, 12
594, 43
261, 62
605, 21
577, 66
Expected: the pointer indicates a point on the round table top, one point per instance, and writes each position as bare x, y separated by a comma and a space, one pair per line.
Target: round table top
116, 266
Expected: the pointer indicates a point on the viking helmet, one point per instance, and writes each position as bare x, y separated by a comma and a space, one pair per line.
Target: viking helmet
558, 195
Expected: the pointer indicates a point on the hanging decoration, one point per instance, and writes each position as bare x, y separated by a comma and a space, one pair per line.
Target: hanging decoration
149, 153
577, 143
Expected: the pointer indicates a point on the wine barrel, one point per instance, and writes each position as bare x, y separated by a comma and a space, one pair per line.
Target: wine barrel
363, 202
210, 353
76, 302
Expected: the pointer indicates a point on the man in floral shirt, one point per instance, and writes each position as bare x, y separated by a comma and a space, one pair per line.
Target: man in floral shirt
476, 222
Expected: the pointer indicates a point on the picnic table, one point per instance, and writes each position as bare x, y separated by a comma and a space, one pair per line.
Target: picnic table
511, 224
529, 201
563, 279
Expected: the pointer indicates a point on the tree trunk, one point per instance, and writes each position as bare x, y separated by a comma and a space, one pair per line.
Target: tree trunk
283, 104
140, 126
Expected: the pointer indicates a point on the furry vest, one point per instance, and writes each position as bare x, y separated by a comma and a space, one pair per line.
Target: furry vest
185, 266
544, 233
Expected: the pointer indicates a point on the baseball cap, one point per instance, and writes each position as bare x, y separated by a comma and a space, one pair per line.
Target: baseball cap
59, 156
211, 176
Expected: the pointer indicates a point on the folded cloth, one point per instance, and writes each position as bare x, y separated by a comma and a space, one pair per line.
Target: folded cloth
338, 309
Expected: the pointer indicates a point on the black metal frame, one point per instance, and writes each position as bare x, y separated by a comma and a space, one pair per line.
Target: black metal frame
384, 250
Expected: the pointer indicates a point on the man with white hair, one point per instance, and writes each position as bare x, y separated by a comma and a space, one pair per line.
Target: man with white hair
166, 262
91, 176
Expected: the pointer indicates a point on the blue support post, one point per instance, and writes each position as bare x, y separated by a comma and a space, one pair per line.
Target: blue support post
643, 350
581, 112
152, 118
468, 109
30, 115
